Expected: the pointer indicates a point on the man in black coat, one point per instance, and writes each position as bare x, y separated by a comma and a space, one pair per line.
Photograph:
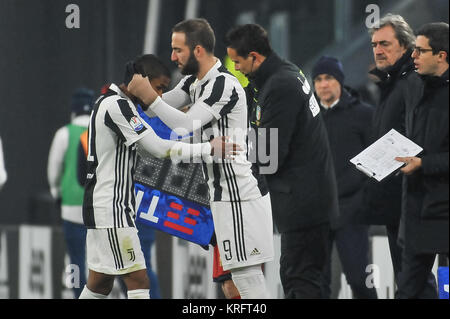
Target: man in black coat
347, 120
392, 44
303, 187
424, 222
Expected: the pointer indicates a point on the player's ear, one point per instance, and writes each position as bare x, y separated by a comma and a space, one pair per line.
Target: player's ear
198, 50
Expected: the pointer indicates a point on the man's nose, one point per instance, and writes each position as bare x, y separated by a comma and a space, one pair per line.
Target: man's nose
377, 49
173, 56
322, 84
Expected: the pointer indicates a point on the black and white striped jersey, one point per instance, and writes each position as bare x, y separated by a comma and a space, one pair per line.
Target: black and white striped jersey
114, 128
220, 93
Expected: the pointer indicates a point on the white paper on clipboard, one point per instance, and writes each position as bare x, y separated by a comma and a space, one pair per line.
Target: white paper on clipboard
378, 160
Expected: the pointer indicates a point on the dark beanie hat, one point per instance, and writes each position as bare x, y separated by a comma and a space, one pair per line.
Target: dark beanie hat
82, 101
331, 66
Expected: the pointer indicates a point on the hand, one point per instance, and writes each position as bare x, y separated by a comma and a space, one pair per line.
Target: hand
412, 164
221, 148
141, 88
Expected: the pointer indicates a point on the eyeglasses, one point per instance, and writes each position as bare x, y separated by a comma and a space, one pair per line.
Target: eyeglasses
420, 50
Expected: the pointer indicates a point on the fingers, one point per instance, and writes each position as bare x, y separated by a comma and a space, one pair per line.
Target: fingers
403, 159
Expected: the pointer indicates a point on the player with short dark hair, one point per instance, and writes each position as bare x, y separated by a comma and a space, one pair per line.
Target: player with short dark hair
115, 129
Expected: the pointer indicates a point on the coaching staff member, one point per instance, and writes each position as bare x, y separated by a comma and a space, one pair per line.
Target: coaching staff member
425, 191
392, 42
303, 189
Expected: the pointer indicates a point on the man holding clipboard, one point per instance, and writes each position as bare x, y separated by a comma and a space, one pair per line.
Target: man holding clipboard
425, 210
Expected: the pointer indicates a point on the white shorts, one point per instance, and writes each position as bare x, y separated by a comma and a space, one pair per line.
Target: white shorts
244, 232
114, 251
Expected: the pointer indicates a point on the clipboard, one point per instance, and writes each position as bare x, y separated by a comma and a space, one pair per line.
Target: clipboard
378, 160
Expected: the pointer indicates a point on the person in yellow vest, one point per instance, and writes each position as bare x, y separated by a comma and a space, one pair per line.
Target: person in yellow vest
64, 186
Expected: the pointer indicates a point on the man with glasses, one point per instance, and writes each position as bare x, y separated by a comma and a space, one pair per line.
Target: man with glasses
392, 42
425, 192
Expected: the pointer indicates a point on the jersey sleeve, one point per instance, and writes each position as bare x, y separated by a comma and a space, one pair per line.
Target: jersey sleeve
219, 97
179, 96
124, 120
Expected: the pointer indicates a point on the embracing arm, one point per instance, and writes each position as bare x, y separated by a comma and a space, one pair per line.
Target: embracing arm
176, 150
197, 116
179, 121
179, 151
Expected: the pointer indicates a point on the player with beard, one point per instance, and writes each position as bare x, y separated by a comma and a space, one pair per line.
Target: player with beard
240, 202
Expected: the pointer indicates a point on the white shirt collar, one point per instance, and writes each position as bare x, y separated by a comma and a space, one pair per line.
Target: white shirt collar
211, 74
116, 89
331, 106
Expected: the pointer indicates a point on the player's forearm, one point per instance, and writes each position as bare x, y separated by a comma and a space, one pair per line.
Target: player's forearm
176, 150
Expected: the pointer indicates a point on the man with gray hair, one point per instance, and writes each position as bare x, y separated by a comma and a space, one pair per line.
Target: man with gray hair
392, 42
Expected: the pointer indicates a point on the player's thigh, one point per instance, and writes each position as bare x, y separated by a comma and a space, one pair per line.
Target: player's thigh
136, 280
100, 283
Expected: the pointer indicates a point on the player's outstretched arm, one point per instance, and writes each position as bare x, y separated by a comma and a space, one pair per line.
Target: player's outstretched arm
179, 151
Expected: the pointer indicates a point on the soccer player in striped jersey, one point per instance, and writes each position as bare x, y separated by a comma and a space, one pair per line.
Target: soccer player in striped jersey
115, 128
240, 202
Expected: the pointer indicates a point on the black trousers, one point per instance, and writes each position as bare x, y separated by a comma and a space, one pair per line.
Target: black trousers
352, 243
396, 251
416, 281
303, 257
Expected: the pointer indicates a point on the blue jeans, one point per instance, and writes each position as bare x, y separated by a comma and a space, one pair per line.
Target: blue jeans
75, 236
146, 236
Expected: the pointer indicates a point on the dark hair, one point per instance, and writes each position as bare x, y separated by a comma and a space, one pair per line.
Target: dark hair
198, 32
437, 35
146, 65
403, 31
247, 38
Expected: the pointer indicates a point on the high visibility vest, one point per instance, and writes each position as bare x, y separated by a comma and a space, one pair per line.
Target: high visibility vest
71, 191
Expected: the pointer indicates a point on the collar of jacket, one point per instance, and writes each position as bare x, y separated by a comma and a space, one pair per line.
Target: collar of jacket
270, 65
348, 97
402, 67
435, 81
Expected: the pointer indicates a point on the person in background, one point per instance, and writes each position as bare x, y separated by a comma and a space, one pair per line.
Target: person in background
62, 179
424, 221
348, 125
